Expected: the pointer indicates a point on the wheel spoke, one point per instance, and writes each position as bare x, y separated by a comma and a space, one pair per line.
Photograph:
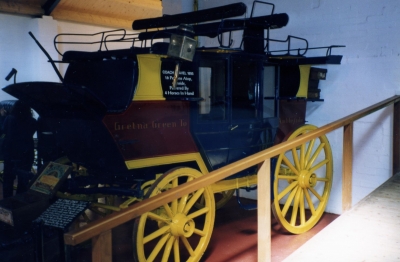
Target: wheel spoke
168, 210
309, 150
158, 218
198, 213
310, 203
319, 165
177, 255
289, 164
295, 207
315, 155
174, 203
302, 209
187, 245
289, 201
287, 177
199, 232
183, 200
155, 234
201, 201
158, 247
315, 193
302, 156
296, 158
168, 248
182, 203
193, 199
287, 190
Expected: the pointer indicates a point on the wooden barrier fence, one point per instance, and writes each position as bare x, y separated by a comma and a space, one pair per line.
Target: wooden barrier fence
100, 230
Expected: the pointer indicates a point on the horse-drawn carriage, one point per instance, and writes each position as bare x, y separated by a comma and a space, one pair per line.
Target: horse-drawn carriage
140, 120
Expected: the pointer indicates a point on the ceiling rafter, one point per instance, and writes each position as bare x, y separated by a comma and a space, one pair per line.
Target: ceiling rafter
148, 3
30, 8
109, 13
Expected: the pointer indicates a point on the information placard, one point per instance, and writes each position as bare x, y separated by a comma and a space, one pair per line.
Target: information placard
62, 213
186, 85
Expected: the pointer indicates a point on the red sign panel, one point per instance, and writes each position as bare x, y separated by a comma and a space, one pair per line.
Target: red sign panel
292, 115
152, 129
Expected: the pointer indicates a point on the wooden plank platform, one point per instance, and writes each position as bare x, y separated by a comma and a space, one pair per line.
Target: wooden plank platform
370, 231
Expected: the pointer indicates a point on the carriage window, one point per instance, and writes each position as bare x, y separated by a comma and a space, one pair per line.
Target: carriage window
244, 89
212, 89
269, 92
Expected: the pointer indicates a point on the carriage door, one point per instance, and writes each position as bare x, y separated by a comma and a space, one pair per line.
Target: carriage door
246, 119
212, 127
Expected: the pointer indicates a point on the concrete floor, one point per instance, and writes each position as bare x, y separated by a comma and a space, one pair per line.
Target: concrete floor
369, 231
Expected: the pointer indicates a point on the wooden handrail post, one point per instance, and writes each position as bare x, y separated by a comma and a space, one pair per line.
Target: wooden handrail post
396, 138
264, 212
347, 167
102, 247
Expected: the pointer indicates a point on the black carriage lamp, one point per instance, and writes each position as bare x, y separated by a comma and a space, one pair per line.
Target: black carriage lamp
12, 73
182, 45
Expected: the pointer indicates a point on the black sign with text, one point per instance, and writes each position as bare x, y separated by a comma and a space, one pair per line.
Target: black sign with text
185, 87
62, 213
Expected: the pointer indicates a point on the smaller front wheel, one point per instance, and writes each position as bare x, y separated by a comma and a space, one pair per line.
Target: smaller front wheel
177, 231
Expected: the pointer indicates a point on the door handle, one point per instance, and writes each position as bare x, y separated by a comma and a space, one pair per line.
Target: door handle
234, 127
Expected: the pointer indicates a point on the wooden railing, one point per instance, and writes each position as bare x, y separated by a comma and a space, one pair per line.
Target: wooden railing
100, 230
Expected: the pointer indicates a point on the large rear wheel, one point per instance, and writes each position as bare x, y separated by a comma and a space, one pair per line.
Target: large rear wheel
176, 231
303, 180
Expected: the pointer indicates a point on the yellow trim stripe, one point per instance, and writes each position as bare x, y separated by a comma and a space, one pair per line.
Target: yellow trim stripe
304, 75
165, 160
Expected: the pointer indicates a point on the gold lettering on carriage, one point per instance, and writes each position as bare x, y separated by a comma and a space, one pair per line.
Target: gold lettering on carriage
153, 124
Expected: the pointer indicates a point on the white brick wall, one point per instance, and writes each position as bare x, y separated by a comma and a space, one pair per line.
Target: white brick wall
369, 73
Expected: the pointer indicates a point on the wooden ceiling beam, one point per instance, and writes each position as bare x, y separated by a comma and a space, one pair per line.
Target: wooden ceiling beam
21, 8
109, 13
93, 19
145, 3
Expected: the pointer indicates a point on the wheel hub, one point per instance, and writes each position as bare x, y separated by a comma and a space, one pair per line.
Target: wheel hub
182, 225
307, 180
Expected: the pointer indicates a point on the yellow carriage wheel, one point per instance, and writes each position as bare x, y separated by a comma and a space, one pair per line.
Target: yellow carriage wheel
302, 184
177, 231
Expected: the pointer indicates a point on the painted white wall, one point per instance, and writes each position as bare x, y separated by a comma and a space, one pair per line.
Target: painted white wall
17, 50
171, 7
368, 74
